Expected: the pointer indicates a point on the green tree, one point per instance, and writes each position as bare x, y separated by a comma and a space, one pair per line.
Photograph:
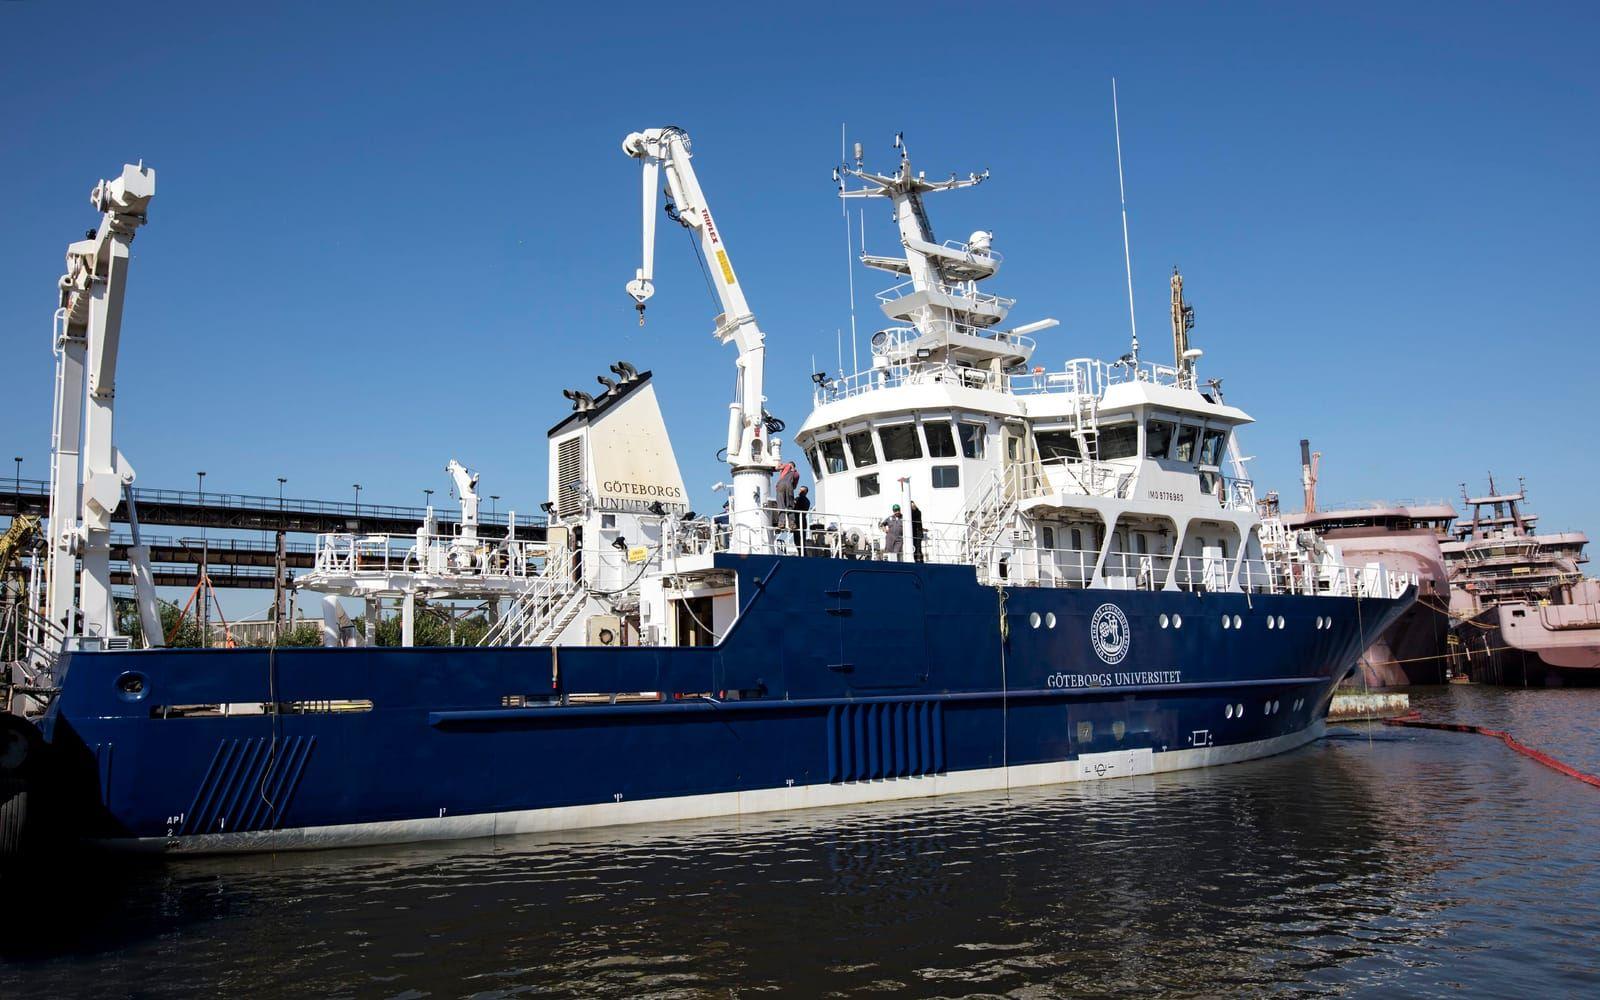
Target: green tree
186, 636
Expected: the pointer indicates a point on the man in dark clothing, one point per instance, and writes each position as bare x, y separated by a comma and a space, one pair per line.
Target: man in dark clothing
893, 534
783, 499
788, 479
801, 515
916, 530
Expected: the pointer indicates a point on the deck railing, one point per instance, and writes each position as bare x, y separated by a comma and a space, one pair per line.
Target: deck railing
1002, 561
340, 554
1082, 376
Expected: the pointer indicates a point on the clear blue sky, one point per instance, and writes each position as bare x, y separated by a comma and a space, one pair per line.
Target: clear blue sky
386, 235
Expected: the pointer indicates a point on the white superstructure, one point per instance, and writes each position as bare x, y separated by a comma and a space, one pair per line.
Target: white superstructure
1087, 473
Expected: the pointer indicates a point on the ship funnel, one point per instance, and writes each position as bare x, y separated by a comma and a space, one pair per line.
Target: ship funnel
1308, 474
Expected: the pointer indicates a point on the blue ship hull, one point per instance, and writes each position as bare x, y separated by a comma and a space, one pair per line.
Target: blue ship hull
841, 682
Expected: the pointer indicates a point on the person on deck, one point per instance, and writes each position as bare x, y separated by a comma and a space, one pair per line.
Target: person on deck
788, 479
893, 535
783, 498
799, 518
917, 533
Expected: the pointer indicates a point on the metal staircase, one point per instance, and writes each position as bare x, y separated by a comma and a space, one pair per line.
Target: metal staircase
541, 612
1088, 422
992, 513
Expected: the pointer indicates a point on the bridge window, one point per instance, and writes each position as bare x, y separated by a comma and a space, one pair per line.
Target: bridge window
946, 477
972, 440
1057, 446
833, 455
900, 442
1120, 441
867, 486
1157, 438
861, 450
941, 439
816, 463
1211, 449
1186, 439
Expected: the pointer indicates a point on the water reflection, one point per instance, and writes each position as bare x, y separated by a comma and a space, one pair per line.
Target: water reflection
1378, 859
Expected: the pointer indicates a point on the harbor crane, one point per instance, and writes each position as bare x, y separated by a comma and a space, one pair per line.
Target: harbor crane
751, 458
89, 476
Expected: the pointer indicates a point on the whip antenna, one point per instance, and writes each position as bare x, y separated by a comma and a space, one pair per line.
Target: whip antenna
1122, 191
849, 264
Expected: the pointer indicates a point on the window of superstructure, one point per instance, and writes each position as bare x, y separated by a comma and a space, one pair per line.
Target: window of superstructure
861, 451
833, 455
1077, 539
1049, 534
941, 439
1211, 447
972, 440
867, 485
946, 477
1157, 438
900, 443
1055, 446
816, 462
1119, 441
1186, 439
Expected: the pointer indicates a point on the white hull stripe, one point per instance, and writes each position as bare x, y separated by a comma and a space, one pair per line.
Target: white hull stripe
1088, 767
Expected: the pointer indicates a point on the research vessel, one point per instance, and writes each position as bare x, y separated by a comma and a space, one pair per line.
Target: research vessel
1015, 573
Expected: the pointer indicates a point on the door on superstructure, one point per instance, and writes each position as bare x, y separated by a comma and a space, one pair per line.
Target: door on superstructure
1016, 460
693, 624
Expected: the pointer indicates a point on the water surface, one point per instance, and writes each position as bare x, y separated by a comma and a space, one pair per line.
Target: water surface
1380, 860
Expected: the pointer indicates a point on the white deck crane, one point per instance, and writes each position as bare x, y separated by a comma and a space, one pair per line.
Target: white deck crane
750, 458
88, 475
466, 484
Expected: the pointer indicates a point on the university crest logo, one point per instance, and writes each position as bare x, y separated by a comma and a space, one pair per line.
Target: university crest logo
1108, 631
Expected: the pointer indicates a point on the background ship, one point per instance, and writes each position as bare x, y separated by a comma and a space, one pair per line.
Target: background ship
1526, 613
1405, 536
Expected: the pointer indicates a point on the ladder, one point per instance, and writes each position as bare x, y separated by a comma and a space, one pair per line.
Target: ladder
992, 513
1088, 424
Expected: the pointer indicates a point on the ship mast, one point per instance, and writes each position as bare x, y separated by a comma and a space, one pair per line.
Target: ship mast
944, 317
1182, 323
